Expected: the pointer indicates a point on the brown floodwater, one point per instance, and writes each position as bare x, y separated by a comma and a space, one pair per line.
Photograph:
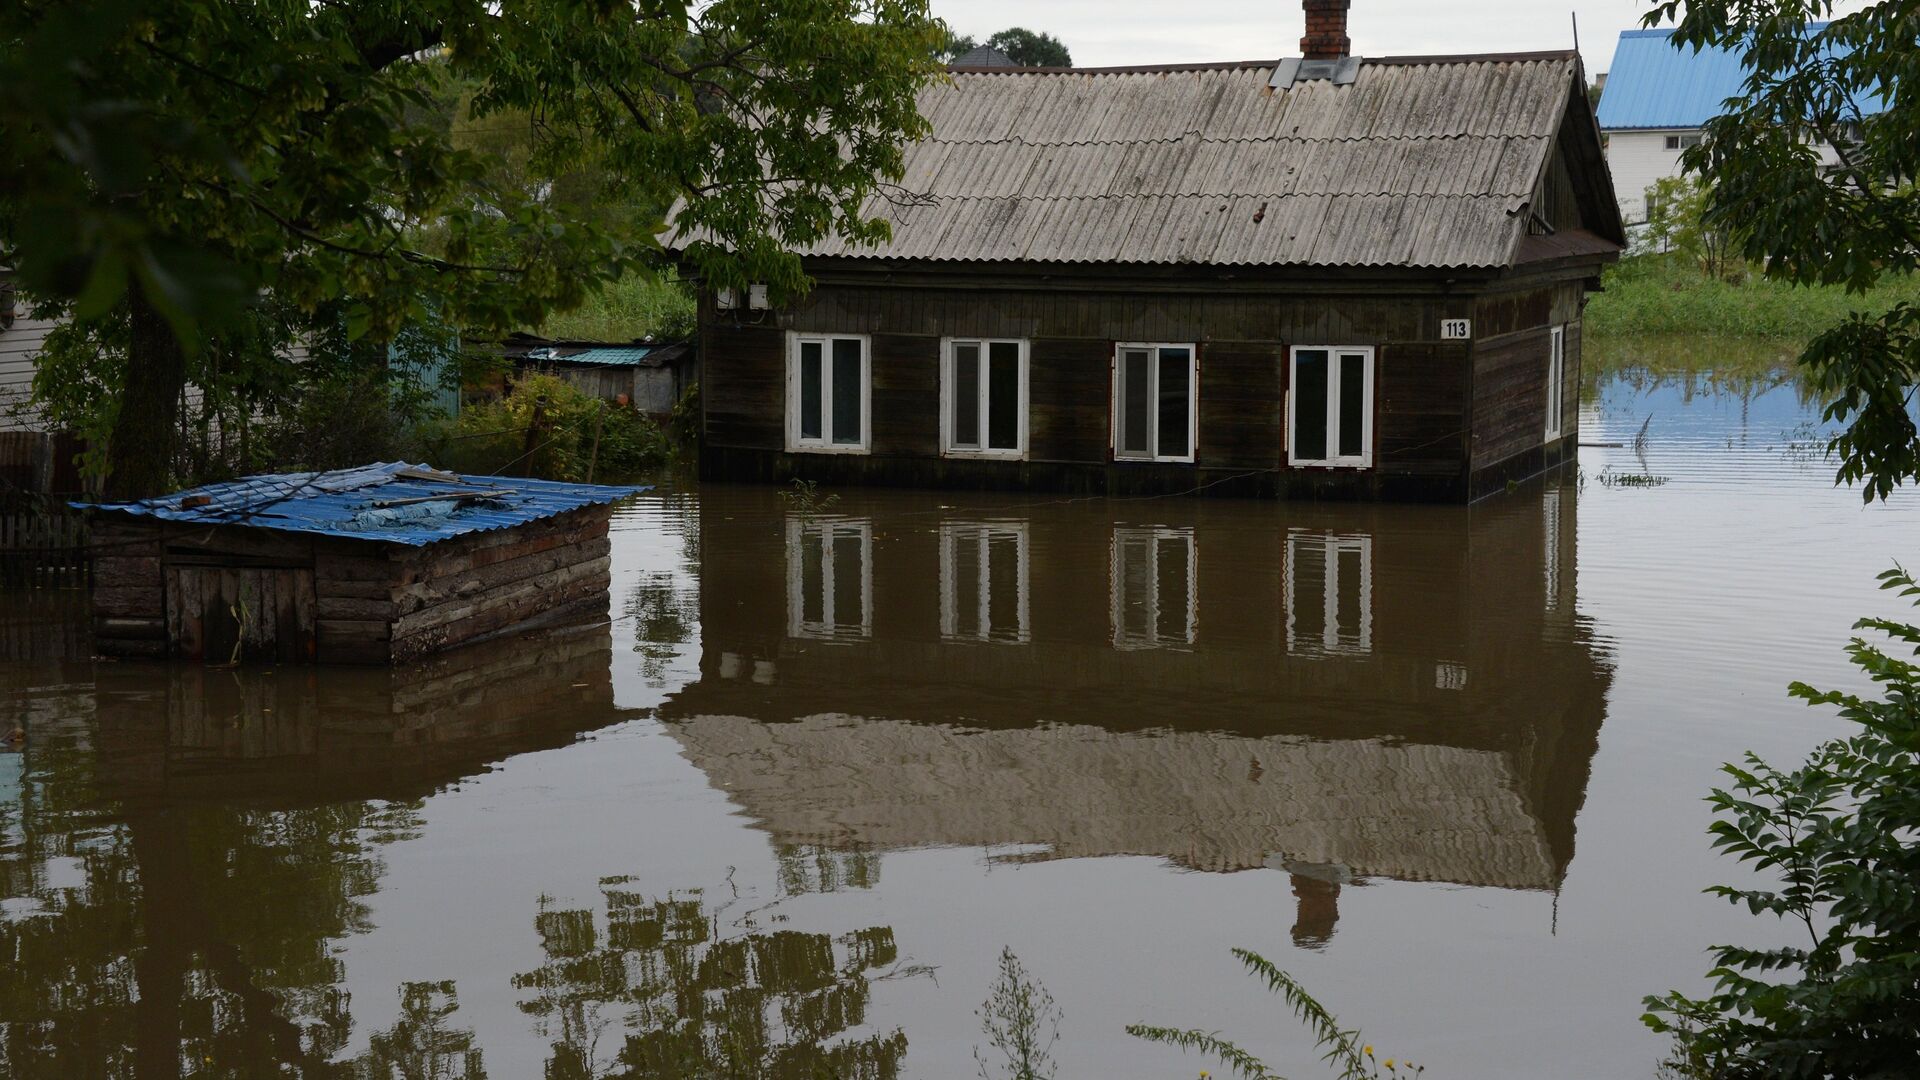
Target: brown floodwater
780, 817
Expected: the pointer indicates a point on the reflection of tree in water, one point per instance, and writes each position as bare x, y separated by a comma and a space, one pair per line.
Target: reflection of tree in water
664, 618
776, 1005
814, 868
183, 939
422, 1045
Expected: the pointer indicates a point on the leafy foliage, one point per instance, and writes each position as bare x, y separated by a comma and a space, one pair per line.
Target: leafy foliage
1021, 1021
1850, 86
1837, 833
1025, 47
1667, 294
1676, 222
1345, 1054
187, 157
547, 427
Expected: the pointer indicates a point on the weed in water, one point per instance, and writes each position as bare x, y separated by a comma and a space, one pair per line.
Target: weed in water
1022, 1023
803, 497
1345, 1053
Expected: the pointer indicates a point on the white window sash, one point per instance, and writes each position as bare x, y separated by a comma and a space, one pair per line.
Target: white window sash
1154, 364
825, 444
1362, 460
980, 537
1152, 602
1556, 382
1334, 639
948, 386
824, 534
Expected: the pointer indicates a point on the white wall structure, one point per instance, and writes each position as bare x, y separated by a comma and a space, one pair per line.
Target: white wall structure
19, 345
1638, 159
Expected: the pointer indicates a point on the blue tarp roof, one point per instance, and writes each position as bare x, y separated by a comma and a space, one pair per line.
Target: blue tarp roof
1655, 85
621, 357
392, 502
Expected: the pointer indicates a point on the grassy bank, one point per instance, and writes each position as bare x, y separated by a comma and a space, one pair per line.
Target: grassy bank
1659, 294
633, 307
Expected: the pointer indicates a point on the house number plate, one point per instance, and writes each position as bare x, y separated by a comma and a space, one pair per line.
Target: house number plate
1456, 329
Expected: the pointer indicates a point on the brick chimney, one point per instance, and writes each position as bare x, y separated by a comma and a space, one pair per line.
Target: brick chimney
1326, 37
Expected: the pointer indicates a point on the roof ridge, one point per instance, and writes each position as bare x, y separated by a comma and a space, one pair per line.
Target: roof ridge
1222, 195
1236, 65
1016, 140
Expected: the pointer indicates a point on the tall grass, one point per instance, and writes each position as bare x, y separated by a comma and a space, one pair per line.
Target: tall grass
1662, 294
636, 306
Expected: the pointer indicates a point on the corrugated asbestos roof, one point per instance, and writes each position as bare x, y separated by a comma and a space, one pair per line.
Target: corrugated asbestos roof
1420, 162
392, 502
1655, 85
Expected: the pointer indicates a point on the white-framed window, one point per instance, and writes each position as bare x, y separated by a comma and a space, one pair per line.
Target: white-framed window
983, 397
983, 582
1329, 593
1682, 142
829, 577
829, 387
1155, 401
1330, 406
1556, 380
1155, 588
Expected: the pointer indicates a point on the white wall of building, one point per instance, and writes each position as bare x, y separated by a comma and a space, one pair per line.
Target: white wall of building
19, 344
1637, 159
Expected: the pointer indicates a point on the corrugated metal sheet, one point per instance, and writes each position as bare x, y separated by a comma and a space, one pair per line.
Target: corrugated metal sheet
392, 502
630, 357
1655, 85
1415, 164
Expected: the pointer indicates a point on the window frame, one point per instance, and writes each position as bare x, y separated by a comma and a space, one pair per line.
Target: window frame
1330, 545
1188, 606
801, 530
947, 349
825, 445
1556, 384
982, 535
1153, 414
1364, 460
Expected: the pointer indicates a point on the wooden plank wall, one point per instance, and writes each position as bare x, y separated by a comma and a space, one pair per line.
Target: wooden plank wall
1510, 356
1421, 384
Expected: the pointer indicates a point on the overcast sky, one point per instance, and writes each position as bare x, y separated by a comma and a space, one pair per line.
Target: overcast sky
1102, 33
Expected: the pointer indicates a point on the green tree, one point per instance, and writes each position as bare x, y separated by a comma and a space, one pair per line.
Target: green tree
1031, 49
1677, 222
1851, 87
184, 158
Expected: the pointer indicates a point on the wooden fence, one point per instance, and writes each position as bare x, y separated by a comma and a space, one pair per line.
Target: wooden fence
43, 543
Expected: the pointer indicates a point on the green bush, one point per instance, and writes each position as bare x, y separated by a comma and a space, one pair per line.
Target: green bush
631, 308
1837, 835
548, 428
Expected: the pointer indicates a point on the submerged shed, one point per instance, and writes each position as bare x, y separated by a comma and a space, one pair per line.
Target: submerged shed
649, 376
377, 564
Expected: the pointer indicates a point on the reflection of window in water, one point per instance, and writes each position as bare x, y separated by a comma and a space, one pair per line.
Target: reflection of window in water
1154, 588
1550, 520
983, 581
1329, 585
829, 577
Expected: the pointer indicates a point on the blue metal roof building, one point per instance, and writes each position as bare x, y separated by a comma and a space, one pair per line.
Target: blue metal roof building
393, 502
1653, 85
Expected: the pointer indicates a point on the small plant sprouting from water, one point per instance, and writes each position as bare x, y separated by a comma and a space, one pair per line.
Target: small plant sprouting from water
1022, 1023
1609, 478
803, 497
1342, 1050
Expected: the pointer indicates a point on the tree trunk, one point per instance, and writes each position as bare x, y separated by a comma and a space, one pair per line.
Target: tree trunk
141, 449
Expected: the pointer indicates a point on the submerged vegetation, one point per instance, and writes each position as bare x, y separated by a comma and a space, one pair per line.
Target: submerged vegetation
548, 428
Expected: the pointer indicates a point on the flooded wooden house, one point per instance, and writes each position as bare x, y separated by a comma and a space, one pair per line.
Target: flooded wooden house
378, 564
1326, 276
1343, 693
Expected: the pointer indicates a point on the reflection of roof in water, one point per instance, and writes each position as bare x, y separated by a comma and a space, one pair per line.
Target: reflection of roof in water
1211, 801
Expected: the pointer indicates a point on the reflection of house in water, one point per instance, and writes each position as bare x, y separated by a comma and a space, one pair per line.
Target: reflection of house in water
1342, 692
294, 736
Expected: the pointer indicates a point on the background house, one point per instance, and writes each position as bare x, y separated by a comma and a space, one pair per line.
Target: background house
1327, 276
1656, 99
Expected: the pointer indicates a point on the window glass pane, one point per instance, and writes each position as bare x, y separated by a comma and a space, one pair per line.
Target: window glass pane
1176, 396
849, 576
1173, 569
810, 390
1353, 403
966, 394
1003, 395
1350, 570
1310, 405
1134, 381
846, 391
812, 578
967, 583
1308, 619
1135, 584
1003, 583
